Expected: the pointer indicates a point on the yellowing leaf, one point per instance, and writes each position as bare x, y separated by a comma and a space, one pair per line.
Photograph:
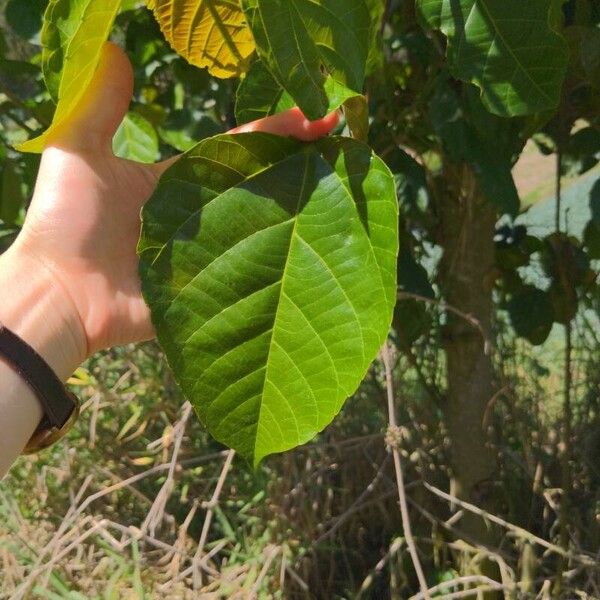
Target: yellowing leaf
81, 377
207, 33
81, 27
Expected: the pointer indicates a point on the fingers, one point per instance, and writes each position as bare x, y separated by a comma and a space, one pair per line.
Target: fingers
292, 123
103, 105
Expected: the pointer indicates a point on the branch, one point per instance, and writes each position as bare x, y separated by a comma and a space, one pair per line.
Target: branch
196, 563
519, 531
392, 433
447, 307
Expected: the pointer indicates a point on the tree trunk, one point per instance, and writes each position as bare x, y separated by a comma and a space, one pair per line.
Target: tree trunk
466, 278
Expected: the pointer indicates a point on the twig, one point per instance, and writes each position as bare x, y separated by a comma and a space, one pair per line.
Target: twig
303, 585
189, 571
378, 568
410, 542
72, 514
478, 580
157, 511
272, 553
466, 580
197, 572
519, 531
175, 565
459, 313
339, 521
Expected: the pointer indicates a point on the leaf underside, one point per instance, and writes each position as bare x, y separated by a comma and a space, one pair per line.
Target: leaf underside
74, 33
207, 33
136, 139
506, 48
316, 50
270, 269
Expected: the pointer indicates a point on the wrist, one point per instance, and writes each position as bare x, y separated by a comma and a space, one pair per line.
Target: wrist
39, 311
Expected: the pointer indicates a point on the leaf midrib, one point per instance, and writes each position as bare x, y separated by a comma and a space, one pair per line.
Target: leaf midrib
278, 305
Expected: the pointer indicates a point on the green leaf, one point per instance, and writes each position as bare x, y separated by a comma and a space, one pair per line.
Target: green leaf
183, 130
316, 49
61, 21
25, 17
531, 314
11, 199
581, 152
413, 277
270, 269
472, 135
377, 12
356, 111
568, 266
7, 237
259, 95
412, 320
74, 33
506, 48
590, 54
411, 183
19, 78
136, 139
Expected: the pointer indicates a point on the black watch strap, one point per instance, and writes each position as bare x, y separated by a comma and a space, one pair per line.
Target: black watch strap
58, 403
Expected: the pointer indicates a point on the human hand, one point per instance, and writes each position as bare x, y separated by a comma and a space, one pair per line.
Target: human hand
84, 221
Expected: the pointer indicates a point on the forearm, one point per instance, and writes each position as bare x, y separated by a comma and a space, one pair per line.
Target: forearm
35, 308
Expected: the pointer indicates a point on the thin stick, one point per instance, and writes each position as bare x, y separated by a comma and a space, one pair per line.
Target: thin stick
410, 542
522, 533
157, 511
357, 504
449, 308
189, 570
273, 552
208, 519
467, 580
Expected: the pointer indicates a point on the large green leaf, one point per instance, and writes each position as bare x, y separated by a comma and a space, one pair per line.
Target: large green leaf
505, 47
270, 269
73, 35
315, 49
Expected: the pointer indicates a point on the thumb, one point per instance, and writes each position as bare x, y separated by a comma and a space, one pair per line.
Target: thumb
103, 105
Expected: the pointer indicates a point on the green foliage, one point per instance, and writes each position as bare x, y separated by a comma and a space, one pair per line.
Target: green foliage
450, 113
486, 143
271, 322
322, 56
136, 139
259, 95
316, 51
531, 314
25, 18
74, 34
507, 48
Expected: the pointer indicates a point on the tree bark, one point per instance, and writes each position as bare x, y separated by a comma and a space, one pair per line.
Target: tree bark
466, 279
